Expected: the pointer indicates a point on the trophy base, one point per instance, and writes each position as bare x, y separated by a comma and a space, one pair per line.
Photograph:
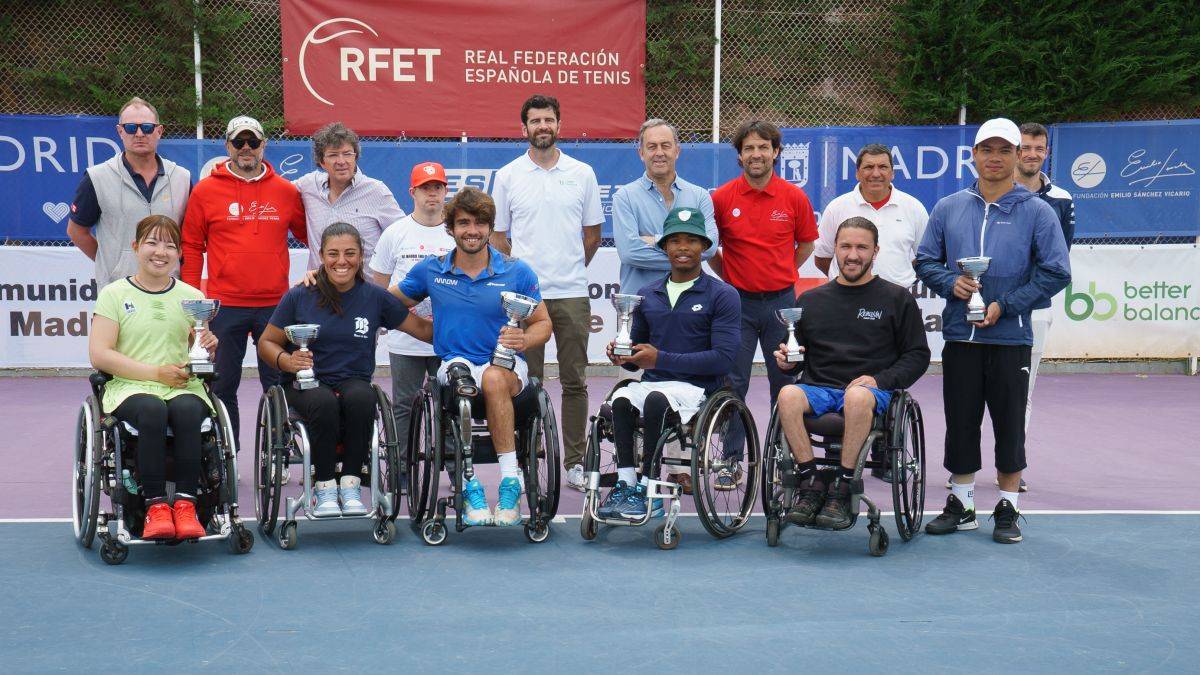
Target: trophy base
622, 350
304, 385
509, 362
794, 358
973, 315
203, 368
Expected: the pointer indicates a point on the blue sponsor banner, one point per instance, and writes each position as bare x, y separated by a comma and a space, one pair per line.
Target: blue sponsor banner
1131, 179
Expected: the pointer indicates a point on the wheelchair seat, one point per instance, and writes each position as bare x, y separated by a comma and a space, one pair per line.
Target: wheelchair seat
525, 403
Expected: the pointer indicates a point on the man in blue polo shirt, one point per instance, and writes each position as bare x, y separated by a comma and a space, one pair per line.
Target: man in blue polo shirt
464, 287
686, 334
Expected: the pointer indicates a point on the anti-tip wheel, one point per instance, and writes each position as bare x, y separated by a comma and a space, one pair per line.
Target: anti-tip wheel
433, 533
288, 537
241, 540
879, 541
537, 533
660, 537
113, 554
772, 531
385, 532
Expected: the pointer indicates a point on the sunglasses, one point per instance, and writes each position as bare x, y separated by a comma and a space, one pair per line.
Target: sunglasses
131, 128
239, 143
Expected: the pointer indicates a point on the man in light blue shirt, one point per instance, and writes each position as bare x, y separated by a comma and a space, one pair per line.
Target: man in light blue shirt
641, 207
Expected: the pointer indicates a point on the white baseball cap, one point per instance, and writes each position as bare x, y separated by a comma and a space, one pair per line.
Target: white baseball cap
999, 127
243, 123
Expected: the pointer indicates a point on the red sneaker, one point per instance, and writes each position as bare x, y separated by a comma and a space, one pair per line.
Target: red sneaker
187, 526
159, 523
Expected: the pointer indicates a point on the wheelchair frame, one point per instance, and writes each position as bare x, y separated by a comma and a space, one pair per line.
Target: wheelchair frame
98, 466
689, 437
901, 433
281, 441
537, 454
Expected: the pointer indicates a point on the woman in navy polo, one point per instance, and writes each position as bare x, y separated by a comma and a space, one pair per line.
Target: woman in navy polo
350, 311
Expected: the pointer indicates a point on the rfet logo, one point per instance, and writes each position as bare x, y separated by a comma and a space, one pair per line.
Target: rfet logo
401, 64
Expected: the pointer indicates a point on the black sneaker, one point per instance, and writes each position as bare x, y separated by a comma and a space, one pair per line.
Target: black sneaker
1006, 516
808, 504
836, 514
952, 519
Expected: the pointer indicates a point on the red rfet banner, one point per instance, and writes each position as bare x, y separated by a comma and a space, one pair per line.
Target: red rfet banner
392, 68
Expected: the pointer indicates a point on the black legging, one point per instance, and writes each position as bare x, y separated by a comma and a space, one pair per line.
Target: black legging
348, 408
654, 420
151, 416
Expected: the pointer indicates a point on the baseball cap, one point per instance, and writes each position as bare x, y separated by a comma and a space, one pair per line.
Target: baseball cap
243, 123
684, 219
426, 172
1001, 128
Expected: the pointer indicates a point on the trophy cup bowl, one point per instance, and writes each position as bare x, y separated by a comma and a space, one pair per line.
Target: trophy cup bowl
200, 311
518, 308
974, 267
624, 304
300, 334
788, 316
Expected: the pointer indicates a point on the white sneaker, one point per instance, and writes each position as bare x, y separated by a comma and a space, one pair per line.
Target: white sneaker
325, 502
351, 499
576, 479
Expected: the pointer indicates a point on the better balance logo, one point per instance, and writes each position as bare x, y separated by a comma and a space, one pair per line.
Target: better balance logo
1154, 301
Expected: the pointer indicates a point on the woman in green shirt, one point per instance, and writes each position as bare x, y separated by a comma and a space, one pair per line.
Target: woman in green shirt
141, 336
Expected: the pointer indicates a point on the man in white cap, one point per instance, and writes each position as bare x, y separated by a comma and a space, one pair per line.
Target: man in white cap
987, 362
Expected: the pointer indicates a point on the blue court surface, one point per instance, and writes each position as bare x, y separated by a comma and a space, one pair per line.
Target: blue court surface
1094, 592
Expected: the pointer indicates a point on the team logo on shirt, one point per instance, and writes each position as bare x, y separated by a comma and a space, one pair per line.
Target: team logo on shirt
130, 308
361, 326
870, 315
793, 163
697, 307
780, 216
255, 211
495, 283
445, 282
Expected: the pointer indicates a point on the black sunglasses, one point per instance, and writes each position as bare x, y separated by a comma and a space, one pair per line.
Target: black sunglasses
131, 128
239, 143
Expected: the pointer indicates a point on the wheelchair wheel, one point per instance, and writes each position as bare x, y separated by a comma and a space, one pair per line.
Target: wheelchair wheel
228, 448
424, 458
269, 447
906, 445
89, 449
388, 463
772, 481
113, 553
241, 540
724, 512
660, 537
542, 464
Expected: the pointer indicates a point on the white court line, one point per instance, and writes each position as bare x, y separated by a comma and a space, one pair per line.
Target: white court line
560, 518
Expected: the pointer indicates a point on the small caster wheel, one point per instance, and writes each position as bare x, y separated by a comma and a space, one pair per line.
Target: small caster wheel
113, 554
772, 531
433, 533
587, 526
288, 537
241, 540
879, 541
385, 532
537, 532
661, 537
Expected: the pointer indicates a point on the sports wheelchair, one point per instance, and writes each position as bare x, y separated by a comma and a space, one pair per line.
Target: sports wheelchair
447, 433
105, 461
282, 441
898, 436
699, 448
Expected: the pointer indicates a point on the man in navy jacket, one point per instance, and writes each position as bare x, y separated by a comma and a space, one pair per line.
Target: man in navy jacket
686, 333
987, 362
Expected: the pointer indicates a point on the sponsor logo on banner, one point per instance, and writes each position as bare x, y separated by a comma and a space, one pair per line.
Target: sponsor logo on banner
1088, 170
1152, 301
793, 163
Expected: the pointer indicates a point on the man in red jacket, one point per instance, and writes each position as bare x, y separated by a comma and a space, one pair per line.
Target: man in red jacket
240, 216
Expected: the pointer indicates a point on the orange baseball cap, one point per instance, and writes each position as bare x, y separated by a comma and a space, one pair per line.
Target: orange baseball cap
426, 172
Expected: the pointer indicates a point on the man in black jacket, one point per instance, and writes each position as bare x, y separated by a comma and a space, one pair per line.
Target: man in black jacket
862, 338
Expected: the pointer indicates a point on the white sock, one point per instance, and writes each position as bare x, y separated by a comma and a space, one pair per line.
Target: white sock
628, 474
644, 482
326, 484
350, 482
1010, 496
508, 464
965, 493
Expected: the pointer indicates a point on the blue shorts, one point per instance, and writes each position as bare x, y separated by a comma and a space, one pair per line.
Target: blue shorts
828, 399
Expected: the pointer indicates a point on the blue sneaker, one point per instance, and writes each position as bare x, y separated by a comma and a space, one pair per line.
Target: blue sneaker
478, 512
325, 502
508, 506
634, 506
618, 494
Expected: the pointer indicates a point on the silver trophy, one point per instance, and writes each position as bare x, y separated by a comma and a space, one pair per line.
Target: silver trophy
624, 304
300, 334
201, 311
974, 267
788, 316
518, 308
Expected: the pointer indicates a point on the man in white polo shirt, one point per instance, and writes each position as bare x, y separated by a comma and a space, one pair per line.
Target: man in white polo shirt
402, 245
548, 204
899, 216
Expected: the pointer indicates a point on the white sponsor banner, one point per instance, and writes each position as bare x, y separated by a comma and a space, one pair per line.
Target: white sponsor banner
1126, 301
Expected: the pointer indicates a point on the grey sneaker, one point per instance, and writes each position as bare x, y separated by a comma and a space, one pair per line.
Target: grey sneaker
575, 478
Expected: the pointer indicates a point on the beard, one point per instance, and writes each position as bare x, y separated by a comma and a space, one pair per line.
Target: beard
540, 142
863, 270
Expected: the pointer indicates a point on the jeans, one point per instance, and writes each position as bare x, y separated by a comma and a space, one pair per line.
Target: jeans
572, 319
760, 329
231, 325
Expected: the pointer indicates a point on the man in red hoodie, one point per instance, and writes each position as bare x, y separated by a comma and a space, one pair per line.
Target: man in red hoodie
240, 216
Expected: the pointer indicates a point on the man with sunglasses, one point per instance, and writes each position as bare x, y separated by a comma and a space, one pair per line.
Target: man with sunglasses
114, 196
239, 217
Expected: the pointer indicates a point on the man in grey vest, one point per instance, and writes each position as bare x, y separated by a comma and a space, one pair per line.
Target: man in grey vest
114, 195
